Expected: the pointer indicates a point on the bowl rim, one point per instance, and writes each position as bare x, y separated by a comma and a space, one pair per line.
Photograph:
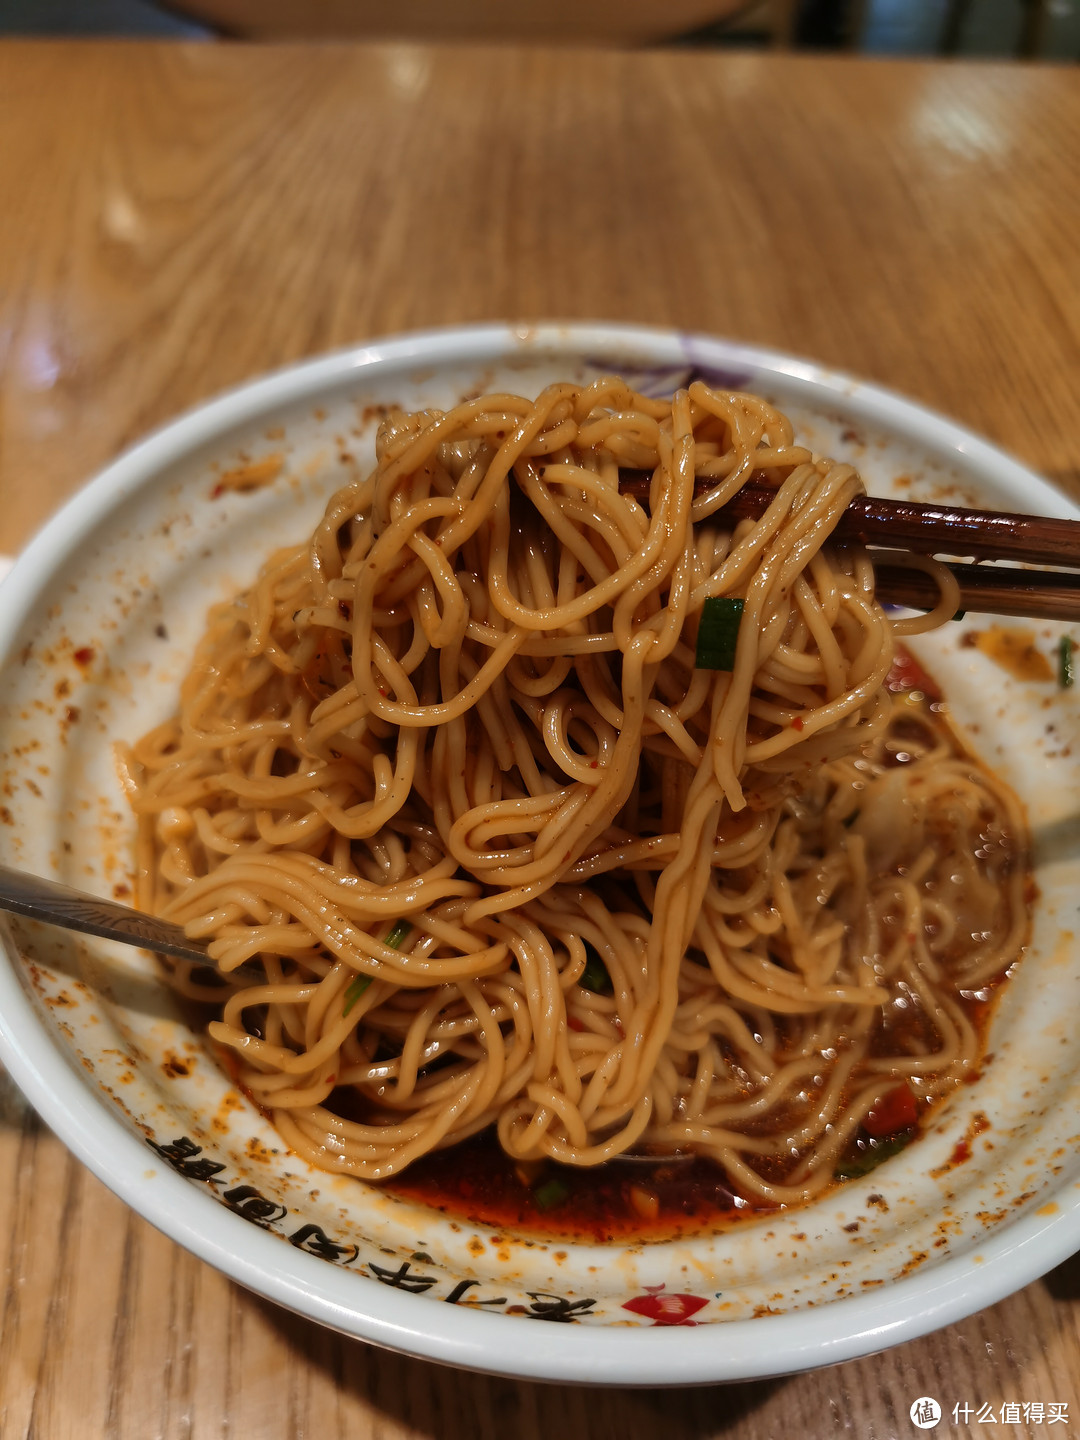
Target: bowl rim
95, 1132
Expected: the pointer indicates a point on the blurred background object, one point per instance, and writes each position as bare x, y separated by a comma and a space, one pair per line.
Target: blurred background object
95, 17
1043, 29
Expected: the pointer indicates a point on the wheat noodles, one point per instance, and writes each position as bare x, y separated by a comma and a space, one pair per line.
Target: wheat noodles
476, 840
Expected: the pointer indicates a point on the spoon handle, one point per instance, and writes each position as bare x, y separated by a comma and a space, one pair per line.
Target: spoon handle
75, 910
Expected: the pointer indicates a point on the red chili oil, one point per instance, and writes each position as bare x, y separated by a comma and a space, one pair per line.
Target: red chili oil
622, 1200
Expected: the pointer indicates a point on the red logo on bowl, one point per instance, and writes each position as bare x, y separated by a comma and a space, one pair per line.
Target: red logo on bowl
666, 1309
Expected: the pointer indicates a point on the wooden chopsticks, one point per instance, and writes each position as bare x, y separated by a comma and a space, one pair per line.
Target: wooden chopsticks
985, 589
885, 525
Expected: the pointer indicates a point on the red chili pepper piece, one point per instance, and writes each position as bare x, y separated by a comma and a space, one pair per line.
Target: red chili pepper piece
894, 1112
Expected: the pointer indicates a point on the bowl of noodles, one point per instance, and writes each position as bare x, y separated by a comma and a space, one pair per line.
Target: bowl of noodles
616, 918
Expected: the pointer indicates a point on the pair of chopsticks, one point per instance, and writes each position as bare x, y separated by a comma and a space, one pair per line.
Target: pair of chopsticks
988, 535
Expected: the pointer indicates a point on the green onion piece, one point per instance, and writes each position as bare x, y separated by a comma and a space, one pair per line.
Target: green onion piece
354, 990
357, 987
551, 1193
718, 633
959, 615
1065, 662
595, 976
876, 1152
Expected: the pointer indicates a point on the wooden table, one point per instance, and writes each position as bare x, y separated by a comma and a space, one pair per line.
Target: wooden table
176, 218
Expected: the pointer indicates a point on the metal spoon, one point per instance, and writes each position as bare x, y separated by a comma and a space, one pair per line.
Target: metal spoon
75, 910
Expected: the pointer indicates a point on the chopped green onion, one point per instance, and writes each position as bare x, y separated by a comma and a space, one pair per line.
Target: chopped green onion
959, 615
1065, 662
718, 633
595, 976
354, 990
399, 933
357, 987
875, 1152
551, 1193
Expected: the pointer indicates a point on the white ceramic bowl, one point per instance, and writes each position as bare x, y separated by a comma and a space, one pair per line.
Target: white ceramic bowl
97, 622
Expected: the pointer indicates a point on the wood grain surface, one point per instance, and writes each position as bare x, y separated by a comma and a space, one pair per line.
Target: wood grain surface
174, 219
